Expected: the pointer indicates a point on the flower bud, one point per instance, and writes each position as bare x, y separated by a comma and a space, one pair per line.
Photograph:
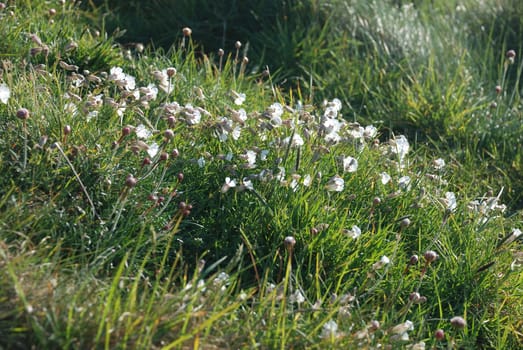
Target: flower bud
221, 52
164, 156
146, 161
130, 181
439, 334
187, 31
67, 129
430, 256
180, 177
405, 223
289, 242
169, 134
171, 72
22, 113
413, 259
511, 54
458, 322
238, 45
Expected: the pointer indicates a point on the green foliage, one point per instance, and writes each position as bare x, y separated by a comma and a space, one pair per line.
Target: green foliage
171, 199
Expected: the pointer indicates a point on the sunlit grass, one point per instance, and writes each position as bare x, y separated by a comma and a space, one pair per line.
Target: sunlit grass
168, 199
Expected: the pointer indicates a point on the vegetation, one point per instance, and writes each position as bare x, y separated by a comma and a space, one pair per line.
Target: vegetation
350, 195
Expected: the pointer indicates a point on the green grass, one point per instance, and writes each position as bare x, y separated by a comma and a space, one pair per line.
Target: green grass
144, 210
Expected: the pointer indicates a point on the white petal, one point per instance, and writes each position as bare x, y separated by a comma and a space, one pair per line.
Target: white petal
5, 93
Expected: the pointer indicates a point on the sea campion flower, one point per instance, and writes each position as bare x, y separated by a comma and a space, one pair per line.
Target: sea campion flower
400, 330
192, 115
5, 93
121, 79
329, 329
399, 147
385, 178
404, 182
449, 201
350, 164
353, 233
384, 260
335, 184
296, 141
142, 132
153, 149
229, 183
239, 98
438, 164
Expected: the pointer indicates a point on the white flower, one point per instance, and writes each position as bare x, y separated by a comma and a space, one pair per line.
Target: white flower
385, 178
350, 164
142, 132
336, 184
450, 201
250, 157
307, 180
353, 233
438, 164
331, 125
239, 98
384, 260
370, 132
221, 280
91, 115
201, 162
275, 111
149, 93
513, 236
228, 184
329, 329
236, 132
400, 147
297, 297
263, 154
153, 149
239, 116
403, 327
247, 184
297, 140
404, 182
192, 115
418, 346
5, 93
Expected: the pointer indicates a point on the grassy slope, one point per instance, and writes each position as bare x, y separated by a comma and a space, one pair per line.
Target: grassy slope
91, 259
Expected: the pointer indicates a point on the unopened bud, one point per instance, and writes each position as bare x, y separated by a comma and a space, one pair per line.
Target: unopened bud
439, 334
187, 31
22, 113
289, 242
430, 256
169, 134
171, 72
130, 181
458, 322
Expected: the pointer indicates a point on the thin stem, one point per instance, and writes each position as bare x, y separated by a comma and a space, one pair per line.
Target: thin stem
82, 186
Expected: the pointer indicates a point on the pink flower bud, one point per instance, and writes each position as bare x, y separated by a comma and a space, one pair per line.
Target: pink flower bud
439, 334
22, 113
